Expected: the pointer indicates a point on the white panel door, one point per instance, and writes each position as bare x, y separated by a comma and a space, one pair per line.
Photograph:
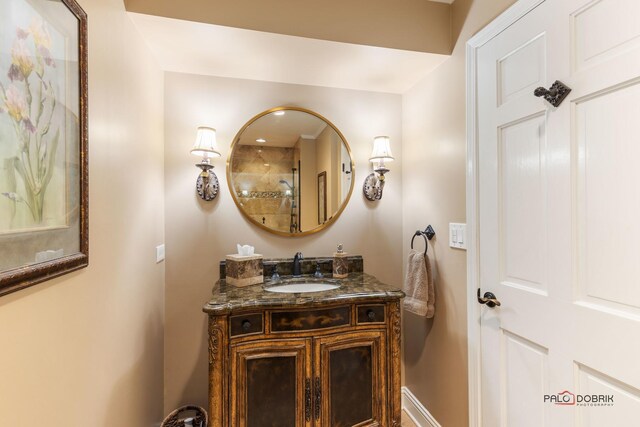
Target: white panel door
559, 218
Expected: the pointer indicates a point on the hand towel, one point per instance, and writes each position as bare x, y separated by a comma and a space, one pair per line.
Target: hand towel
419, 286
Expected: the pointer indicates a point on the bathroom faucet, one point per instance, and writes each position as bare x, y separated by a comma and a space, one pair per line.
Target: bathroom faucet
296, 264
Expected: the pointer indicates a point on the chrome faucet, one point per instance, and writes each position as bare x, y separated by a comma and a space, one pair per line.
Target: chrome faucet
297, 272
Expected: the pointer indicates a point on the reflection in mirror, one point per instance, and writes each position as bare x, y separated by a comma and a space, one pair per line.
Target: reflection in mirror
290, 171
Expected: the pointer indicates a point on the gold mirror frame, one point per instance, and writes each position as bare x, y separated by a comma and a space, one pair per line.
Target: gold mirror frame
235, 197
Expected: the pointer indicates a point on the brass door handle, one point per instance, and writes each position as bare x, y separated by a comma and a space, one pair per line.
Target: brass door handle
489, 298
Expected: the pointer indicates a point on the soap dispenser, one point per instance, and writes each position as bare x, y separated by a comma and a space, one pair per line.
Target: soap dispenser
340, 263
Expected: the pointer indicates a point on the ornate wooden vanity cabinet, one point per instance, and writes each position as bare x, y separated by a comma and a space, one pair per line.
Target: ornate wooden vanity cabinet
290, 360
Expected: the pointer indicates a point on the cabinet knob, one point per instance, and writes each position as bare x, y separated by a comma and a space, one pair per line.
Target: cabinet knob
246, 325
371, 315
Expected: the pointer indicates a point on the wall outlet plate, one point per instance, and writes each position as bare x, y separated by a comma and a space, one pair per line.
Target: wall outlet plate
160, 253
458, 235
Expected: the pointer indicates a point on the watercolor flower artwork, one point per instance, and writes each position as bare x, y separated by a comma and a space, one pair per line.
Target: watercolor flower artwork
32, 125
44, 226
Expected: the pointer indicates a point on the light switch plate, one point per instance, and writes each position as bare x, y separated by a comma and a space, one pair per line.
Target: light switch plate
458, 235
160, 253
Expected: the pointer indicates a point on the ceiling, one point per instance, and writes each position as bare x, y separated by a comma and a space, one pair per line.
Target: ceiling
415, 25
215, 50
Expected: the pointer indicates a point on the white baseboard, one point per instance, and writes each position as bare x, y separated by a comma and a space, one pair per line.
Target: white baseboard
418, 413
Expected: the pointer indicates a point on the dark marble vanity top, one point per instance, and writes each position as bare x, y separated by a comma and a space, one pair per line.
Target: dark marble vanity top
356, 287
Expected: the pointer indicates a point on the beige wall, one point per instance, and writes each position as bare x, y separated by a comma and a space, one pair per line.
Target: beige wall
200, 234
334, 178
327, 150
308, 177
434, 150
86, 348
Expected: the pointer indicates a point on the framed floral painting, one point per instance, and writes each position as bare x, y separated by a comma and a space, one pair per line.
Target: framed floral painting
43, 141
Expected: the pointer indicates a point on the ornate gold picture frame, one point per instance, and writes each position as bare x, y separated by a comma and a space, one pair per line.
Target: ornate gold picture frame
43, 141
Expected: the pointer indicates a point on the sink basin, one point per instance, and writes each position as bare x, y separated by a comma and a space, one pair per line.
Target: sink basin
294, 288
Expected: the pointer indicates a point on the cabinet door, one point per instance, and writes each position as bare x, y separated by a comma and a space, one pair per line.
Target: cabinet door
271, 383
350, 388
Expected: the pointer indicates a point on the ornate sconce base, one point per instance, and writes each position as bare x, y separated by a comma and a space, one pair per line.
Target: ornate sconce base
207, 185
373, 186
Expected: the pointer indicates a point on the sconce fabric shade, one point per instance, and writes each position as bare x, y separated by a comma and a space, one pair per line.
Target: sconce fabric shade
381, 149
206, 145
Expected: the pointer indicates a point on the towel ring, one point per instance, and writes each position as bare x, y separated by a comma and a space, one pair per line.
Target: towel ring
426, 244
428, 233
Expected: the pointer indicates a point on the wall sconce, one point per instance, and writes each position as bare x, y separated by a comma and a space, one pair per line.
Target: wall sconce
206, 146
374, 183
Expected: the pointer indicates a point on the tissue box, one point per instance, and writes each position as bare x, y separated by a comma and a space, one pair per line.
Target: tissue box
244, 270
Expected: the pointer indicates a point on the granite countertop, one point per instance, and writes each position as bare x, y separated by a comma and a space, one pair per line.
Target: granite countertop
356, 287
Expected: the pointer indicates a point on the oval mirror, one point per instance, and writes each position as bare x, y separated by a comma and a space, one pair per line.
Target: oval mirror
290, 171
